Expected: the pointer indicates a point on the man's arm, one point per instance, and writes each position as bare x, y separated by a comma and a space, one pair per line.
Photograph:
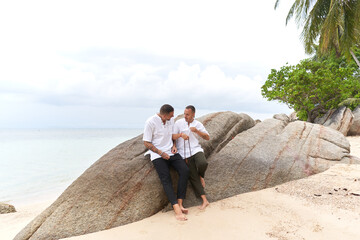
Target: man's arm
201, 134
174, 148
176, 135
151, 147
179, 135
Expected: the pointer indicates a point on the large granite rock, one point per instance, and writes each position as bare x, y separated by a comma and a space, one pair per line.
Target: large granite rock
355, 127
274, 152
6, 208
339, 119
293, 117
121, 187
282, 117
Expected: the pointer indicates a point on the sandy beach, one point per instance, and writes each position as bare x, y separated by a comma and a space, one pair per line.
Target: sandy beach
355, 145
288, 211
323, 206
12, 223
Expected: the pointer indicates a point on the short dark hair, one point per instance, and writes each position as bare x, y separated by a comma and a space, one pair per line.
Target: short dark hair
166, 109
191, 107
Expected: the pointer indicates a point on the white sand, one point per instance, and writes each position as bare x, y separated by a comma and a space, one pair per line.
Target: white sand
12, 223
266, 214
354, 145
258, 215
279, 213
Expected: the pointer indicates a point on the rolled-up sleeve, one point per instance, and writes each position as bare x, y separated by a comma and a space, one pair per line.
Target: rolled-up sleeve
148, 132
201, 128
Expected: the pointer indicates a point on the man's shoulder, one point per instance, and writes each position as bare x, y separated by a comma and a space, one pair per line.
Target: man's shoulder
153, 118
180, 121
197, 122
199, 125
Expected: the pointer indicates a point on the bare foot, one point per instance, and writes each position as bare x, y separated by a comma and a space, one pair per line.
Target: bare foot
204, 205
181, 217
181, 207
179, 212
184, 210
202, 182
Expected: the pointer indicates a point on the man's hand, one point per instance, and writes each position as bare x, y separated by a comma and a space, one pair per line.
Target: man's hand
174, 149
194, 130
184, 136
201, 134
164, 155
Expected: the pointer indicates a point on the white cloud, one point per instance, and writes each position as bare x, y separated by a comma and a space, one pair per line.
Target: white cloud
139, 85
227, 30
212, 86
213, 54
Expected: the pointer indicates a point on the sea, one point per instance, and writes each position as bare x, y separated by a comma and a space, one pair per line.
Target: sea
36, 164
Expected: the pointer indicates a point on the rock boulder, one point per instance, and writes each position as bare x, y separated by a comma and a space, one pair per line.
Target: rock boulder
282, 117
293, 117
339, 119
274, 152
355, 126
6, 208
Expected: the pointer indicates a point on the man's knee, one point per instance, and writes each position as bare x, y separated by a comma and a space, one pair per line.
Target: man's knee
202, 164
165, 178
184, 170
200, 157
181, 166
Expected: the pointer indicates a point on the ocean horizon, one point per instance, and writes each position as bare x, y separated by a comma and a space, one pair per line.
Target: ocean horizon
38, 163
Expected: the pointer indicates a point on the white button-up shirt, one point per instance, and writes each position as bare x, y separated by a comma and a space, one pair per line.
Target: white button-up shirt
181, 126
159, 134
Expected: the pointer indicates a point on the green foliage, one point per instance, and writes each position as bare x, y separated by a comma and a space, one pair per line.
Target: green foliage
351, 103
342, 60
312, 87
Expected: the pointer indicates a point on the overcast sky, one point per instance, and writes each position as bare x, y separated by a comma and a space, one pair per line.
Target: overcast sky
89, 64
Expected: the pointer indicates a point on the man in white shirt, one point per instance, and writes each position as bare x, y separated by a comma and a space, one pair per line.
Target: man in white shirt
163, 154
189, 148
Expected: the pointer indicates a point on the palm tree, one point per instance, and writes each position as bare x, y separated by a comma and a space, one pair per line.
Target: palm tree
334, 24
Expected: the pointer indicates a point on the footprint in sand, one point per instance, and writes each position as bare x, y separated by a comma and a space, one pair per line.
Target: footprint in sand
143, 232
317, 228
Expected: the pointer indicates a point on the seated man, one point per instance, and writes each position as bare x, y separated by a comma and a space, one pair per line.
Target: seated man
191, 150
163, 154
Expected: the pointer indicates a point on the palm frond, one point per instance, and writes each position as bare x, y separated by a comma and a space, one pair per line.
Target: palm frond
276, 4
290, 13
351, 27
313, 24
331, 29
333, 24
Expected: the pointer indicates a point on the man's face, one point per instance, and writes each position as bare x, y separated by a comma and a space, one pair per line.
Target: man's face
169, 116
189, 115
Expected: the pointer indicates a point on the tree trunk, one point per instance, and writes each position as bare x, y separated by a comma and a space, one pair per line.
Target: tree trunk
312, 114
309, 118
355, 58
